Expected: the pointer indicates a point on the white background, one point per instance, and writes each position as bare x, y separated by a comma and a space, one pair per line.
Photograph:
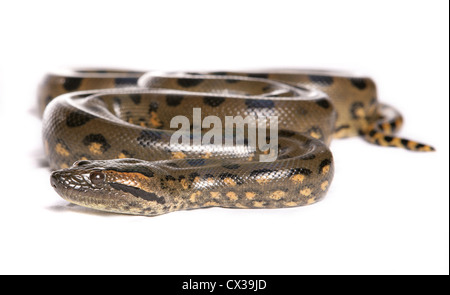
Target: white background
387, 211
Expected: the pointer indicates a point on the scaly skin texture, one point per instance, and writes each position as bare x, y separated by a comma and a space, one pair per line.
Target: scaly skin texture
119, 137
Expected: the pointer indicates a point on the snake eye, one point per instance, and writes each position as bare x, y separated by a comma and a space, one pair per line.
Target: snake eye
97, 178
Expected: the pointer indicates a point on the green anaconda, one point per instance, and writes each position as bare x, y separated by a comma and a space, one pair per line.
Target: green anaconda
110, 134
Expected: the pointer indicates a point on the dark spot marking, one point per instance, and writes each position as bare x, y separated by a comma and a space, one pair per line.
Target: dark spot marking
148, 137
219, 73
213, 101
231, 166
405, 143
258, 75
393, 125
136, 98
259, 103
97, 138
206, 176
138, 193
117, 101
196, 162
309, 157
122, 82
193, 175
72, 83
153, 107
388, 138
173, 100
323, 80
286, 133
77, 119
420, 146
324, 103
259, 172
232, 81
170, 178
359, 83
189, 82
373, 132
302, 171
342, 127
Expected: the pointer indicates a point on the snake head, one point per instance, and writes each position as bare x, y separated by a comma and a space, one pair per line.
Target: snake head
123, 186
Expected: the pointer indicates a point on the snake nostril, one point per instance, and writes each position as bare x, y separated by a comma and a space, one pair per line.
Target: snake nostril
81, 163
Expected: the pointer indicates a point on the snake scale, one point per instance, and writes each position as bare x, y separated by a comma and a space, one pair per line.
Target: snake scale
107, 136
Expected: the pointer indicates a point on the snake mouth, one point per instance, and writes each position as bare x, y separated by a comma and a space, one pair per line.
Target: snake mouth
82, 187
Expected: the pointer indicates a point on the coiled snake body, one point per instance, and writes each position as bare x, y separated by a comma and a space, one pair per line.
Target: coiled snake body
111, 138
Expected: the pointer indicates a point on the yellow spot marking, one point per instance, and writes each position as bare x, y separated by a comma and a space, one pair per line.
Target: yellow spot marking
143, 124
298, 178
316, 135
311, 201
397, 142
154, 120
241, 206
122, 156
134, 179
262, 180
360, 113
207, 155
258, 204
411, 145
306, 192
210, 181
232, 196
326, 169
229, 181
215, 195
387, 128
178, 155
291, 204
193, 197
324, 185
426, 149
184, 183
250, 195
277, 195
210, 204
61, 150
96, 148
64, 166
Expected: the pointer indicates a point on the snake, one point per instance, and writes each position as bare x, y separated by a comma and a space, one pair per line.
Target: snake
108, 136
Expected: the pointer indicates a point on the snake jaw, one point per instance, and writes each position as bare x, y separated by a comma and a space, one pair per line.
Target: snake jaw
115, 190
